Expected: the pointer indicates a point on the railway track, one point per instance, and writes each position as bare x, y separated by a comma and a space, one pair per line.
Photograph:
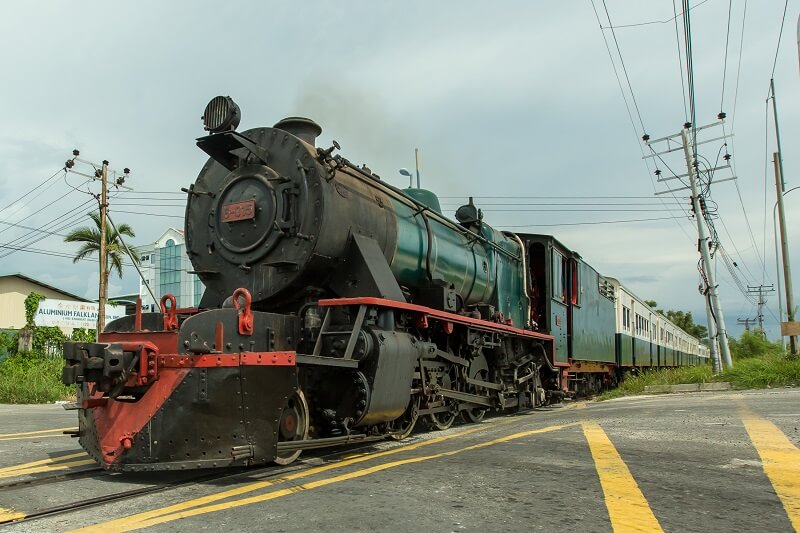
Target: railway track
60, 476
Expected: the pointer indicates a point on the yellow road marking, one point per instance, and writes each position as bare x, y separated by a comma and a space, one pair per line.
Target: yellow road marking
3, 435
628, 509
781, 460
30, 437
7, 515
50, 461
47, 468
196, 507
305, 473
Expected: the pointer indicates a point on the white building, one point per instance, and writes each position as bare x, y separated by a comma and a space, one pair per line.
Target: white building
165, 266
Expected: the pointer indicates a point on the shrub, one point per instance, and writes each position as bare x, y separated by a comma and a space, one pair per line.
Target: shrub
30, 377
753, 344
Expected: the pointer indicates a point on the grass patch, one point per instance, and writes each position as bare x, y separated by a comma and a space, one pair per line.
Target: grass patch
764, 372
32, 378
748, 373
633, 385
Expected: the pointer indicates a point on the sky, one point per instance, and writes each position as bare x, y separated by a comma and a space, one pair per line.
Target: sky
515, 103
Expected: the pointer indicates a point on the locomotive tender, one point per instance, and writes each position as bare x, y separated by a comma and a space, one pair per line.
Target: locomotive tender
340, 309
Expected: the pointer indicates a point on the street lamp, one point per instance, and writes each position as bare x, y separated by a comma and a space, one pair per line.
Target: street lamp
406, 172
778, 265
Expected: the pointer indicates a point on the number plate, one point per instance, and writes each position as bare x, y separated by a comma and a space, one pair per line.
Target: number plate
239, 211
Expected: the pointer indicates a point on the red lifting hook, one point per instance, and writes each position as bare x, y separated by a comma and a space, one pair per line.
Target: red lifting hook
245, 316
170, 317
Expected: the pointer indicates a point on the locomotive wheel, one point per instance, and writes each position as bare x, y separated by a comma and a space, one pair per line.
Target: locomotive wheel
444, 419
404, 424
293, 426
441, 420
478, 369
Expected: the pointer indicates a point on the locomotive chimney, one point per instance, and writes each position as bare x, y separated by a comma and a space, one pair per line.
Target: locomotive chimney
303, 128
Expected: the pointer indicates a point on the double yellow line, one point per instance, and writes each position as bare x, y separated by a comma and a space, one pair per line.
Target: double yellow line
52, 464
61, 462
42, 433
207, 504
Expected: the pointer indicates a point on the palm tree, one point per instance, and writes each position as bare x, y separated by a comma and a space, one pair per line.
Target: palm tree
115, 249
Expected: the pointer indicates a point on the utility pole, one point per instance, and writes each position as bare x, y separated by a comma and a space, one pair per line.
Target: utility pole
710, 291
787, 268
101, 174
745, 322
762, 301
101, 301
716, 364
703, 243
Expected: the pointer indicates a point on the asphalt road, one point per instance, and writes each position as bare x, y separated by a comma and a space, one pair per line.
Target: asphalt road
691, 462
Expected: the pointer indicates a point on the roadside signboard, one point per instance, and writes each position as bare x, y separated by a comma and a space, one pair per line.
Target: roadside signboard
69, 314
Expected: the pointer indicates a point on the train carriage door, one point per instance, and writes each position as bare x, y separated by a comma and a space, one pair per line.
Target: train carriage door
571, 289
559, 306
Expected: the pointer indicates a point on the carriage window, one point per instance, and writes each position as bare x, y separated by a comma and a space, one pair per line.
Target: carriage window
559, 280
576, 286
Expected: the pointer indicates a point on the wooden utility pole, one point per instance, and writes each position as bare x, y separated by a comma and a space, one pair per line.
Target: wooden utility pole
103, 296
787, 268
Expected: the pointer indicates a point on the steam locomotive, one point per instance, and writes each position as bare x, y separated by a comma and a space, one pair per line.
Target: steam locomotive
337, 309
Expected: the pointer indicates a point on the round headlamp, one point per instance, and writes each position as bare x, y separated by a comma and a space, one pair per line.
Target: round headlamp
221, 114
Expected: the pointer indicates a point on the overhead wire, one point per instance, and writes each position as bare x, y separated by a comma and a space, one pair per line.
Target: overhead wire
59, 171
653, 21
680, 63
780, 34
725, 61
624, 68
588, 223
628, 109
732, 141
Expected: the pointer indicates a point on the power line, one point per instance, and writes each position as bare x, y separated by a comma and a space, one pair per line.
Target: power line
571, 210
734, 114
738, 70
49, 223
59, 171
780, 34
725, 61
630, 114
149, 214
614, 197
624, 69
653, 203
589, 223
652, 21
680, 62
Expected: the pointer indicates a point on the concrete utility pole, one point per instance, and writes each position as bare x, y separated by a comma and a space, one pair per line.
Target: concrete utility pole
703, 242
787, 268
103, 297
716, 330
713, 346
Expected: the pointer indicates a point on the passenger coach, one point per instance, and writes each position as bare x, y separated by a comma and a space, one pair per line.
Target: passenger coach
600, 328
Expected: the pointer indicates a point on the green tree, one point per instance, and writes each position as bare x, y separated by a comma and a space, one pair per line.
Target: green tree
89, 237
683, 320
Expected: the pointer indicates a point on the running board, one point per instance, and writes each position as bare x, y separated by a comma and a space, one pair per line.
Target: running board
290, 446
